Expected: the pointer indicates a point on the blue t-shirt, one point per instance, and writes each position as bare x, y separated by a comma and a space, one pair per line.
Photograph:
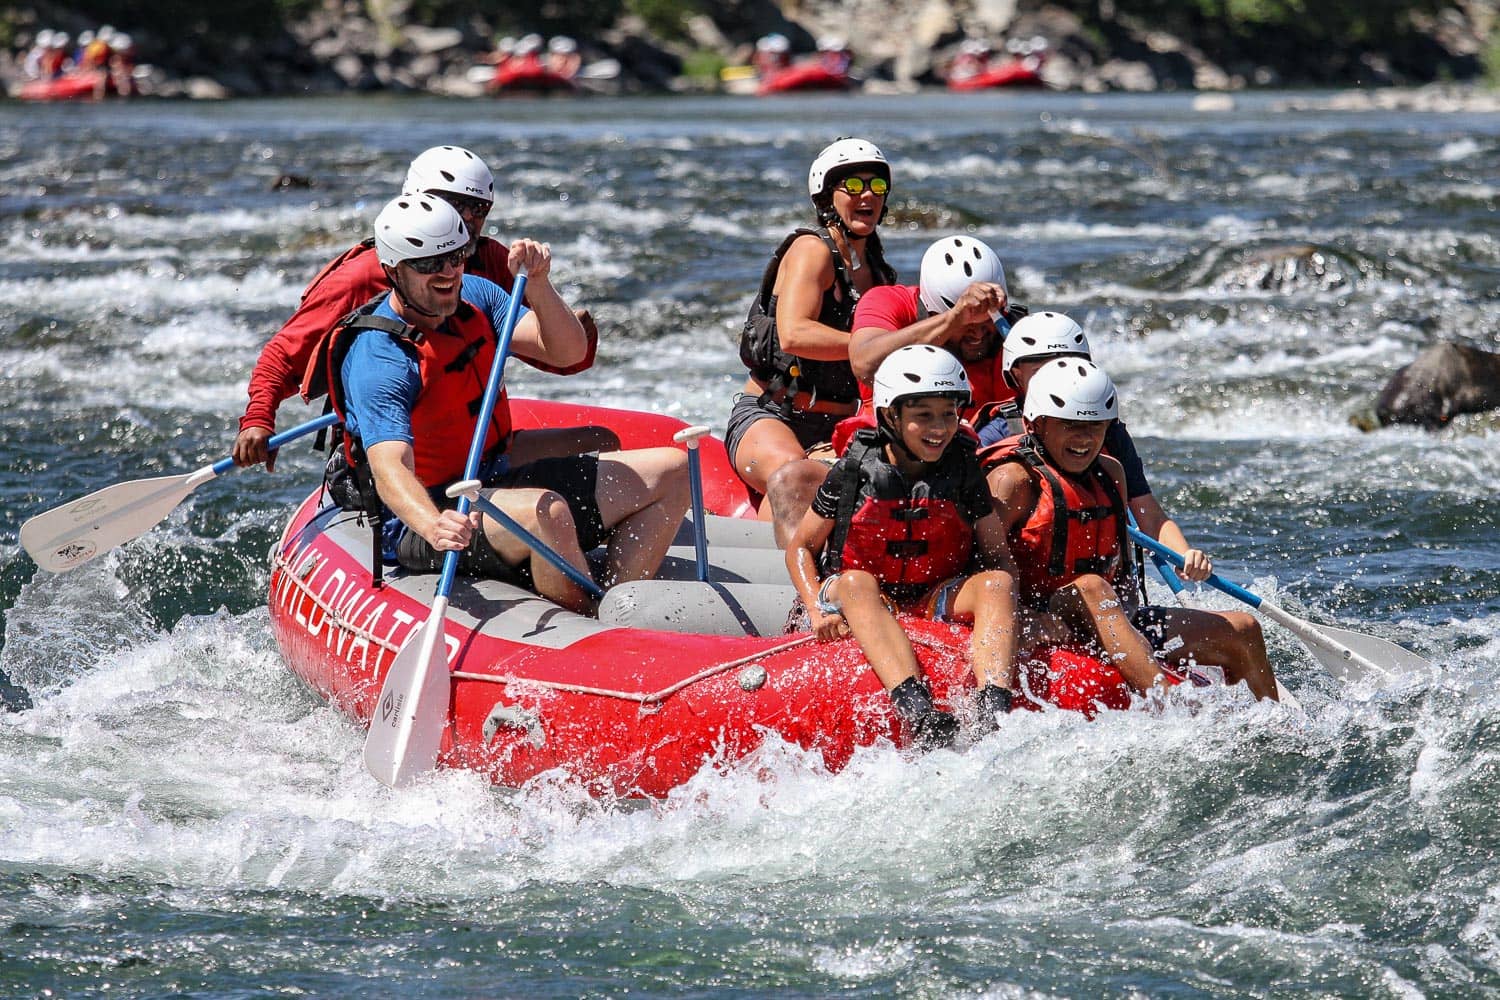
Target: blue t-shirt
382, 381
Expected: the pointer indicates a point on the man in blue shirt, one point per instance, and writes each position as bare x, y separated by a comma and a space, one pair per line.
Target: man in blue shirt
409, 402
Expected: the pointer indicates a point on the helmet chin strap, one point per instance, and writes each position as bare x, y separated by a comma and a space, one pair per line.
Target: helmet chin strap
894, 433
406, 302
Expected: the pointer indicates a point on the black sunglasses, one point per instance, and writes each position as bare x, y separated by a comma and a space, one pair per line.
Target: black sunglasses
432, 265
464, 205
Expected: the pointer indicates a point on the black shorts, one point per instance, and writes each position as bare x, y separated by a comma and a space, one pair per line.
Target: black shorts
574, 477
1150, 622
812, 429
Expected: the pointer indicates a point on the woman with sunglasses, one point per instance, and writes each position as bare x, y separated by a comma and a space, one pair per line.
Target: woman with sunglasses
796, 338
461, 179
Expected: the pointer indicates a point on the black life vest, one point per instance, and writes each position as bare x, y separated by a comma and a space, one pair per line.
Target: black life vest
760, 344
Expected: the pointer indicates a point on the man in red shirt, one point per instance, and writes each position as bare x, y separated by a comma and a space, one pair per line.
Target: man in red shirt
961, 304
355, 277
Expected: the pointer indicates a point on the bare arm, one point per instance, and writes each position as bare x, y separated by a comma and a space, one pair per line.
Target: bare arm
1154, 521
870, 345
802, 565
806, 272
393, 464
551, 330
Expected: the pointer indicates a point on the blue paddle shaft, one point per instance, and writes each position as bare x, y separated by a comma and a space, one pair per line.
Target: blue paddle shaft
223, 465
1214, 580
482, 421
700, 530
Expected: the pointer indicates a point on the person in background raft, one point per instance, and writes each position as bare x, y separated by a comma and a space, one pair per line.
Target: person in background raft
462, 180
862, 546
960, 304
1062, 504
796, 339
406, 373
562, 56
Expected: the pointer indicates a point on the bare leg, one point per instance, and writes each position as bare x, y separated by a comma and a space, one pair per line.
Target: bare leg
766, 446
1230, 639
1091, 607
643, 496
546, 515
989, 598
880, 636
790, 493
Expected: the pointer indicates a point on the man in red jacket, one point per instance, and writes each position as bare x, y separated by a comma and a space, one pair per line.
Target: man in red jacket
355, 277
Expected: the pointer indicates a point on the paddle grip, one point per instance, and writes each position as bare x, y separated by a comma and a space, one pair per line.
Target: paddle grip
1214, 580
223, 465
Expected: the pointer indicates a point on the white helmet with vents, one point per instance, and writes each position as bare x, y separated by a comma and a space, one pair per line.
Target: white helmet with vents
951, 265
841, 158
414, 226
1071, 389
1043, 335
920, 370
449, 170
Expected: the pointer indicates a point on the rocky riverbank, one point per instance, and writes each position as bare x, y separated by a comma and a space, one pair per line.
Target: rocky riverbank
329, 46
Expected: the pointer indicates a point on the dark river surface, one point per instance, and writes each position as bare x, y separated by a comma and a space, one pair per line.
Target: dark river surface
180, 816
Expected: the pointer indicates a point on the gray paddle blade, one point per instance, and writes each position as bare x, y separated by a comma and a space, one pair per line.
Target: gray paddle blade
406, 730
66, 537
1390, 657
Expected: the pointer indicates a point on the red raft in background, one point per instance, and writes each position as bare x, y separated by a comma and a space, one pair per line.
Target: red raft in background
84, 85
804, 76
1011, 73
673, 675
529, 76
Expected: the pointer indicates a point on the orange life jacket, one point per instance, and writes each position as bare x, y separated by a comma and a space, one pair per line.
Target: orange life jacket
1078, 525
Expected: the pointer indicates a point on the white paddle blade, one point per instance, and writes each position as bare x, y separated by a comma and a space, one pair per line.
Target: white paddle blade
1391, 657
1349, 656
66, 537
406, 730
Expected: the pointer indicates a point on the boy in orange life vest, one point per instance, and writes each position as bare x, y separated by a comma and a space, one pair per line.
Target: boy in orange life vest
899, 518
1062, 503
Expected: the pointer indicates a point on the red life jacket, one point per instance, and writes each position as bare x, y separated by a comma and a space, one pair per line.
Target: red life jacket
454, 365
1078, 525
902, 533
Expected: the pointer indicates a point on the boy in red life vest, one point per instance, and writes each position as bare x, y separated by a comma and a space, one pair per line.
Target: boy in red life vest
1062, 504
353, 278
1042, 337
899, 519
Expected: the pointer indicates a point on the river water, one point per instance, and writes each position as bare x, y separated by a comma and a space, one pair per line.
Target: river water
180, 816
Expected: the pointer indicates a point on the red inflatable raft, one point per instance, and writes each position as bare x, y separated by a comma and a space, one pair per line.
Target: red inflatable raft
804, 76
673, 674
84, 86
1013, 73
529, 76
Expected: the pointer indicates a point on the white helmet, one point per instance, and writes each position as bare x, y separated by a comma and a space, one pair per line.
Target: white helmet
415, 226
562, 45
842, 157
920, 370
529, 44
60, 39
1073, 389
774, 42
951, 265
832, 43
449, 169
1043, 335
